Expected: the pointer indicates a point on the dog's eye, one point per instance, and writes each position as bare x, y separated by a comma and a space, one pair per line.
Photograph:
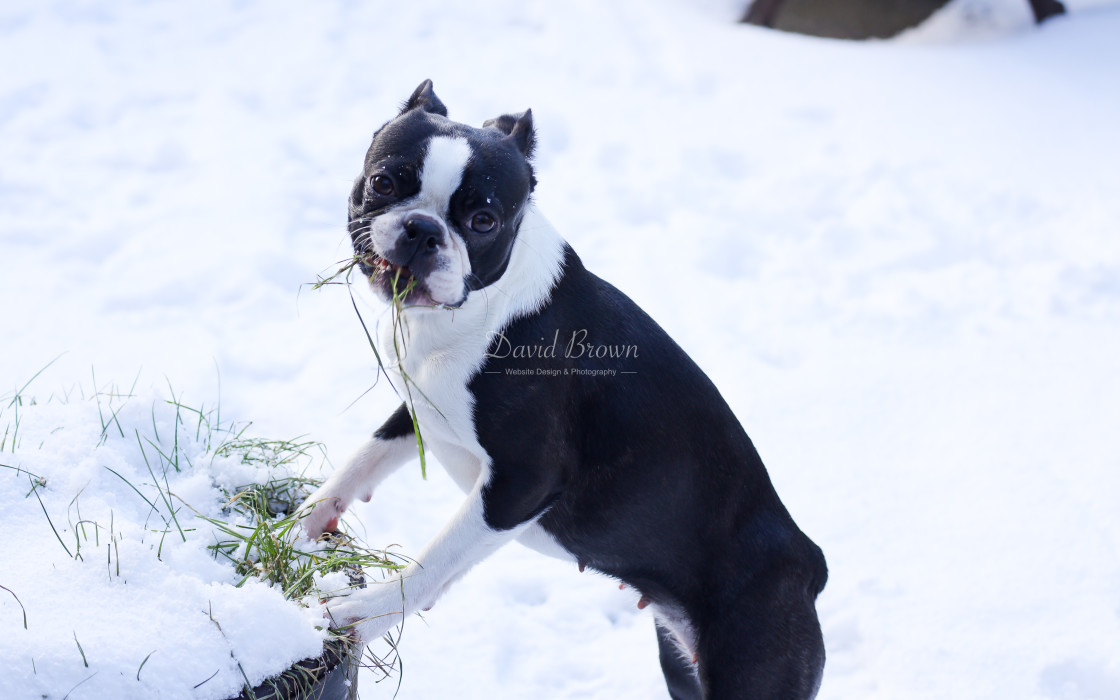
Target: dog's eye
381, 184
483, 222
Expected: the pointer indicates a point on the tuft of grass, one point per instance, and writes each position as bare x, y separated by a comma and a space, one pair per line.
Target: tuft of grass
144, 662
164, 493
111, 396
77, 685
81, 650
35, 490
154, 508
19, 603
14, 403
110, 550
266, 542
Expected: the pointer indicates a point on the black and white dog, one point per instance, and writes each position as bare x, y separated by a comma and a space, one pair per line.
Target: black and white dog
571, 420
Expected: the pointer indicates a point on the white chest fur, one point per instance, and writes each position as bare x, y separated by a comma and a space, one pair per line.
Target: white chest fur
433, 353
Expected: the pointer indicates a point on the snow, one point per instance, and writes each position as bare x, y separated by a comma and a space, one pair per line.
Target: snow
898, 260
149, 610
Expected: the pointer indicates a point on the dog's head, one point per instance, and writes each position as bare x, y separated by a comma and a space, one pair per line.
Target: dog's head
438, 204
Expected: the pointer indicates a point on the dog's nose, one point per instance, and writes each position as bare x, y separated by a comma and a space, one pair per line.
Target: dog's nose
423, 233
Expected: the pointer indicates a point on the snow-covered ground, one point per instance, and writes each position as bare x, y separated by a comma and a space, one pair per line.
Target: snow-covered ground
898, 260
109, 569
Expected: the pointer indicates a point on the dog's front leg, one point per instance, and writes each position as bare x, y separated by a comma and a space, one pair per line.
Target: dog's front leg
466, 540
391, 446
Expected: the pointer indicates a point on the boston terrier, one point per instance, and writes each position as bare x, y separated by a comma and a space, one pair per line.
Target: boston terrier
572, 421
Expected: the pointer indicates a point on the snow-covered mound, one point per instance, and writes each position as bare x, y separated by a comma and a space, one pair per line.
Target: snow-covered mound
113, 585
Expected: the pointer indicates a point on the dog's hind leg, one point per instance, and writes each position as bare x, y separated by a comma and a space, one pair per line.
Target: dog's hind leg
680, 672
766, 646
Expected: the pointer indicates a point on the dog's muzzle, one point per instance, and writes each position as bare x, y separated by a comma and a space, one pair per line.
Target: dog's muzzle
416, 260
422, 236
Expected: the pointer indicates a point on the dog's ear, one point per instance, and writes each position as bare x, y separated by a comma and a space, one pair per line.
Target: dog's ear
425, 98
518, 127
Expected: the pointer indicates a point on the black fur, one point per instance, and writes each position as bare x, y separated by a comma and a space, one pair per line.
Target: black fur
650, 478
680, 675
424, 97
398, 425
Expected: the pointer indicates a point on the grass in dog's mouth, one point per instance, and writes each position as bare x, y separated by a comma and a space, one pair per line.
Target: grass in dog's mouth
375, 268
381, 266
341, 276
400, 284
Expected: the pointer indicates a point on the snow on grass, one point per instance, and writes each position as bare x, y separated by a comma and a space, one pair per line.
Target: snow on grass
124, 554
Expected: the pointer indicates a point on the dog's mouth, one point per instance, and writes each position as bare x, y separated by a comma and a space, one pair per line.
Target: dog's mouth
394, 282
379, 266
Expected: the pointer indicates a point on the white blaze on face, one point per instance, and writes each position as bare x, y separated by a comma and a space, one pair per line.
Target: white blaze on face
440, 176
443, 171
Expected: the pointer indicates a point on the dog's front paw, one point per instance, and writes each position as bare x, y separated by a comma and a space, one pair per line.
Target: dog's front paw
320, 513
366, 618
